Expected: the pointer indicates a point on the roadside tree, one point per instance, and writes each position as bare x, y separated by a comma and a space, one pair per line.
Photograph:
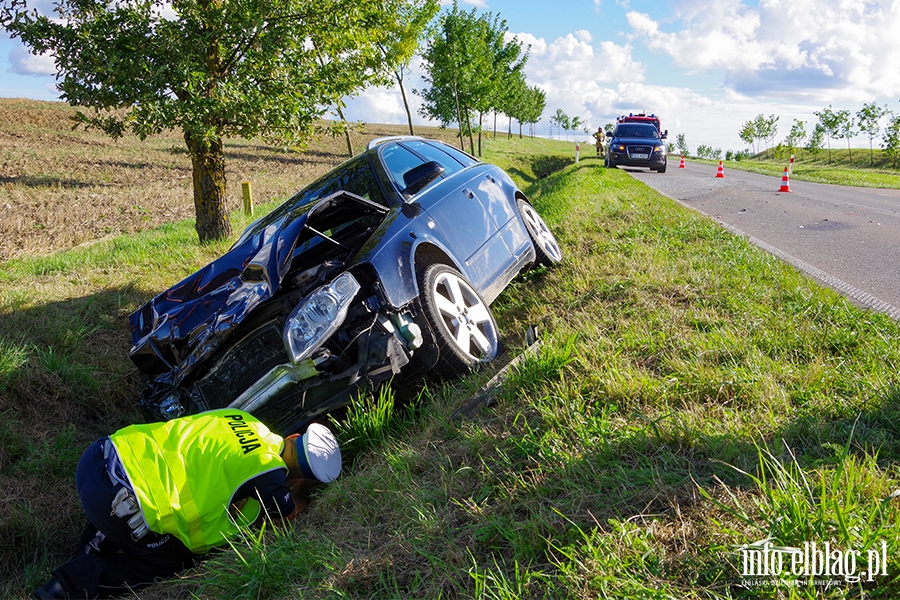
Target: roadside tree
209, 68
748, 134
398, 38
532, 107
869, 119
797, 135
816, 139
891, 139
845, 129
681, 144
829, 123
467, 61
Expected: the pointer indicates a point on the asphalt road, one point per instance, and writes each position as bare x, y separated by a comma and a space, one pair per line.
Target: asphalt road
846, 237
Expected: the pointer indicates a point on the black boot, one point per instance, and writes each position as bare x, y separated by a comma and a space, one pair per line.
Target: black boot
51, 589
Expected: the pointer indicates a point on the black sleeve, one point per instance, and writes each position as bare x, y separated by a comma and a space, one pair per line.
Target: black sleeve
269, 488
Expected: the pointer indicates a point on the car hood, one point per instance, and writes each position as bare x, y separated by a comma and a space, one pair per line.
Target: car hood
177, 329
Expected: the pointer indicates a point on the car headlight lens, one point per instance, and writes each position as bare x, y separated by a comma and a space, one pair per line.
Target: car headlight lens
318, 316
620, 147
660, 149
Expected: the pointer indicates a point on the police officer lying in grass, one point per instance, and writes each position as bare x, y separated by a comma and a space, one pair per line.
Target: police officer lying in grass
159, 496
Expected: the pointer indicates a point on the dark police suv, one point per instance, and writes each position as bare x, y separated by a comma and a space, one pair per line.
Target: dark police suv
636, 144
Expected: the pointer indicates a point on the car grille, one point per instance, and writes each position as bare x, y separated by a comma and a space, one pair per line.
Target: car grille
639, 150
243, 365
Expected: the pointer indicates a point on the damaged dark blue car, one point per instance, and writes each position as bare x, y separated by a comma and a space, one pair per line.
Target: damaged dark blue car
385, 266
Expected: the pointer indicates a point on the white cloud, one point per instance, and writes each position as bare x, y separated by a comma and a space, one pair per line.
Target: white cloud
576, 75
814, 50
23, 62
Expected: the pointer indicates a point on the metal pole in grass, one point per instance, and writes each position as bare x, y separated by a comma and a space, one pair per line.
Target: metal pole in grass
577, 152
248, 198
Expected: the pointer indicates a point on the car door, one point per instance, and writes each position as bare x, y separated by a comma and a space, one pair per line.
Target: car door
461, 217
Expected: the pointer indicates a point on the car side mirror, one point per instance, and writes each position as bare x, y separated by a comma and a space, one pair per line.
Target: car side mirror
664, 135
419, 177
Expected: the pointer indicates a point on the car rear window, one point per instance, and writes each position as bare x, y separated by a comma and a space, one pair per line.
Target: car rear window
438, 149
450, 164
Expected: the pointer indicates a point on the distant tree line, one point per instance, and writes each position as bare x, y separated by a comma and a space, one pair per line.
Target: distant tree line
871, 120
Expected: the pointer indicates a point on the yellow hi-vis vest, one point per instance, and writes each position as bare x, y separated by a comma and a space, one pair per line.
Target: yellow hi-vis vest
185, 472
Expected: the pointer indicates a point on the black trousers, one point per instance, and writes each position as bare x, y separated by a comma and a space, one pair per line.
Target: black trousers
120, 564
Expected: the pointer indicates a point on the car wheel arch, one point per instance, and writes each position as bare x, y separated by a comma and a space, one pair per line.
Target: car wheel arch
427, 254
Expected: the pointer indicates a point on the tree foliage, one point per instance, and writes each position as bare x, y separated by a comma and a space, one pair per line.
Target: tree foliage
830, 125
681, 144
891, 139
470, 66
797, 135
209, 68
816, 139
398, 36
531, 107
869, 119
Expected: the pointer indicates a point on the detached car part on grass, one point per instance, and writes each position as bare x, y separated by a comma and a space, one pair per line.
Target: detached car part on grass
384, 267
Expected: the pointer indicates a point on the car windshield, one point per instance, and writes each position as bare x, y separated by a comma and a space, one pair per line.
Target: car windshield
637, 130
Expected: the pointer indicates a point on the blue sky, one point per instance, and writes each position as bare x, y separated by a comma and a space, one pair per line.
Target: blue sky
704, 66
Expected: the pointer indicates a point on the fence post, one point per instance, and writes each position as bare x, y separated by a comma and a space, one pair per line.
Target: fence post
248, 198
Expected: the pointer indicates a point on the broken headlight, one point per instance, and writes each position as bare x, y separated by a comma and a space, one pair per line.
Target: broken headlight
318, 316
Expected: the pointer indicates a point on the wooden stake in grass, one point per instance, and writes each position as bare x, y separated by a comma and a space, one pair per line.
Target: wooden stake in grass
248, 198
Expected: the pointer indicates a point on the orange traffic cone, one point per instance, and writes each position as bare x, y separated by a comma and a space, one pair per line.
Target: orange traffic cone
721, 172
681, 166
785, 182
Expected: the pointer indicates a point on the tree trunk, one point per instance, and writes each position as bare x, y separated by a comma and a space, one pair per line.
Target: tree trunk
465, 110
480, 121
399, 76
346, 131
208, 162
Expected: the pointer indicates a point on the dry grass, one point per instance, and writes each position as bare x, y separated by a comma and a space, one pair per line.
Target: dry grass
60, 187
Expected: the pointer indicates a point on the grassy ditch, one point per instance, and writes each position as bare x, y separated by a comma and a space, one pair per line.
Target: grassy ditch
692, 395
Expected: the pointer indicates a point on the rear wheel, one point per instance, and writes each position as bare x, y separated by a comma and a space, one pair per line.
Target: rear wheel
463, 325
546, 248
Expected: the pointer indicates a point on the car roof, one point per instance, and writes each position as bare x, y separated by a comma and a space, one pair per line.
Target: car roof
391, 138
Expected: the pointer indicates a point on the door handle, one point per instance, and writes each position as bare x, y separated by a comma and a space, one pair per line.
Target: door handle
468, 192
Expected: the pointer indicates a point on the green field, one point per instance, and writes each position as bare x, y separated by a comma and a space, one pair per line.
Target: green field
691, 395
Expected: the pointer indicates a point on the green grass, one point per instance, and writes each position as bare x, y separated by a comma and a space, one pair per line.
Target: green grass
691, 395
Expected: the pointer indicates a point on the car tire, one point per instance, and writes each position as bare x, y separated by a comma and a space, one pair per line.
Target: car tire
463, 325
546, 249
662, 169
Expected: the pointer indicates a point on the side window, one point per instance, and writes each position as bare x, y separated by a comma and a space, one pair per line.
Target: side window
436, 153
398, 160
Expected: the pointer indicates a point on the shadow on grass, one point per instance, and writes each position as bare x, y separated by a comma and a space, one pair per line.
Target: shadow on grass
45, 181
65, 379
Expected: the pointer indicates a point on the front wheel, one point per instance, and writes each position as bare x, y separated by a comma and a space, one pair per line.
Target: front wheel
546, 249
662, 169
463, 325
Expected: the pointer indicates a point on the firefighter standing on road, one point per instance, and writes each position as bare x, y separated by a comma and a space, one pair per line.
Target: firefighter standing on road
160, 496
599, 137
